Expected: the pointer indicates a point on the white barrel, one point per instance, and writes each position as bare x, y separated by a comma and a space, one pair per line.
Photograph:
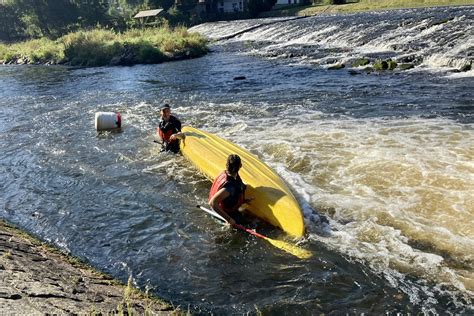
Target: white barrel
107, 120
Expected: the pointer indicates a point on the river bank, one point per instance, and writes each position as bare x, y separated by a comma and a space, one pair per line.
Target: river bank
101, 47
39, 279
361, 6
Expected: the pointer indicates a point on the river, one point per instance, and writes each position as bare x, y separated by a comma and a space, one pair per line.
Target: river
387, 157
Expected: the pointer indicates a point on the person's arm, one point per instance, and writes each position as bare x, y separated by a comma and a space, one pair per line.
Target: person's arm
214, 203
178, 134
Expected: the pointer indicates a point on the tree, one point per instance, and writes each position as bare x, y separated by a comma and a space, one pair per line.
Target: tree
254, 7
10, 24
42, 17
92, 12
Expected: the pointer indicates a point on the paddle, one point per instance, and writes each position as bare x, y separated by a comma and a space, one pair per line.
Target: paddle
285, 246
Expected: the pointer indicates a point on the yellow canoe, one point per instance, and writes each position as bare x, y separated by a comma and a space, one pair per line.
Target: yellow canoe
273, 201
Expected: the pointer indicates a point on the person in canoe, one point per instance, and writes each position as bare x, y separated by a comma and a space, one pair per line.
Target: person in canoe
169, 130
227, 193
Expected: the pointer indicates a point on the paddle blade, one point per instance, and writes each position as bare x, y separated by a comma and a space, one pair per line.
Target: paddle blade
290, 248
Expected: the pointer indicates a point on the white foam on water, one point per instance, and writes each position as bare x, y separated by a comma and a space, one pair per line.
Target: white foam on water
399, 194
440, 42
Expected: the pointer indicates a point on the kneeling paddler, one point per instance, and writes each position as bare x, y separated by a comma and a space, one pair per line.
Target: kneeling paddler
228, 191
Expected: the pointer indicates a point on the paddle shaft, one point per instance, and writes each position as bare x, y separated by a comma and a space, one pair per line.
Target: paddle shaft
292, 249
238, 226
212, 212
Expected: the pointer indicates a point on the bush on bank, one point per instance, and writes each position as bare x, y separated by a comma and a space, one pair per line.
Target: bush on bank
101, 47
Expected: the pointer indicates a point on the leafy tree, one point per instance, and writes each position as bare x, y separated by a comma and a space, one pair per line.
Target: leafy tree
10, 25
36, 18
91, 12
165, 4
254, 7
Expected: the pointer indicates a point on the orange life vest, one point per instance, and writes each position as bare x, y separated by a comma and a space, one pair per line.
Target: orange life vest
165, 136
235, 187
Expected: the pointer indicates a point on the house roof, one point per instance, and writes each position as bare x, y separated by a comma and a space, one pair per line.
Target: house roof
146, 13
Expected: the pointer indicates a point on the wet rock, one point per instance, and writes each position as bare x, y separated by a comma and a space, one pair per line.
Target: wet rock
337, 67
354, 73
392, 64
369, 70
380, 65
360, 62
330, 61
465, 68
406, 66
407, 59
444, 21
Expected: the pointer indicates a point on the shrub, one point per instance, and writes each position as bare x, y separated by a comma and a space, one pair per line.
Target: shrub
102, 47
146, 53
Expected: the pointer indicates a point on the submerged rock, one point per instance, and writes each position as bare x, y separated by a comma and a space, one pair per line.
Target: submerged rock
361, 62
336, 67
466, 68
369, 70
380, 65
240, 78
406, 66
443, 21
353, 72
392, 64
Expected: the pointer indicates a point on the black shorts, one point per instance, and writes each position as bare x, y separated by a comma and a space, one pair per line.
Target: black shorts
173, 147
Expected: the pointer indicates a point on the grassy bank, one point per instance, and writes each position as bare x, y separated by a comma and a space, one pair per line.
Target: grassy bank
102, 47
365, 5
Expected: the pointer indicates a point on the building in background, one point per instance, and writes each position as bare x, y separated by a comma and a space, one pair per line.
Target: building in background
289, 2
230, 6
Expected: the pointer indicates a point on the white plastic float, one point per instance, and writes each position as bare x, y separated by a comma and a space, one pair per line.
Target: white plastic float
108, 120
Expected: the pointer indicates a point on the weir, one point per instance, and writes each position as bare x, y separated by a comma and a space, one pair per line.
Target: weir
427, 38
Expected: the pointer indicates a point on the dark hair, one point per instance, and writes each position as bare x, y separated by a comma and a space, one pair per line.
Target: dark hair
233, 163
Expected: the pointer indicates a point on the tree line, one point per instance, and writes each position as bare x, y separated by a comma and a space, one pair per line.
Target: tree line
26, 19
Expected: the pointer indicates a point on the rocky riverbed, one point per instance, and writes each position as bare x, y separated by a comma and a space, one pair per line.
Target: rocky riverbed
37, 279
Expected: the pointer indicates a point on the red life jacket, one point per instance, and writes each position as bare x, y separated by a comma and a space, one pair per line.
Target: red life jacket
166, 129
165, 136
235, 201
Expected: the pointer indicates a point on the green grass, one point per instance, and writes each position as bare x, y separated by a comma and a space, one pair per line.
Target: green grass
102, 47
365, 5
35, 51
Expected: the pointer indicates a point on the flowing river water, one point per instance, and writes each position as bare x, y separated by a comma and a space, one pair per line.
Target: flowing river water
387, 157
